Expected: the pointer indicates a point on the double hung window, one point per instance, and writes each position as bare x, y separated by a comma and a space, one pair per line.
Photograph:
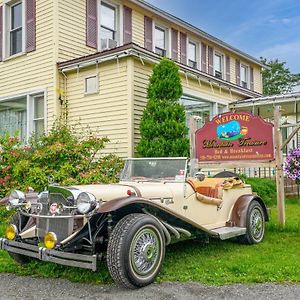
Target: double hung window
16, 29
160, 41
244, 76
218, 65
109, 35
192, 55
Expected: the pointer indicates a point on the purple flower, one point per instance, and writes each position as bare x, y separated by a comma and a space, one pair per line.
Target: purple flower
291, 166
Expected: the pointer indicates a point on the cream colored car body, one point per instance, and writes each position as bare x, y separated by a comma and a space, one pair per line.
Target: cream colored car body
179, 198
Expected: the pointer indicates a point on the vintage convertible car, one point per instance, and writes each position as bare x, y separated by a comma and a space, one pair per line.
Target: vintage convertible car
158, 201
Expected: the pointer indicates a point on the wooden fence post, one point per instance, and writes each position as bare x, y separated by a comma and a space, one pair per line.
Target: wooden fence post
279, 164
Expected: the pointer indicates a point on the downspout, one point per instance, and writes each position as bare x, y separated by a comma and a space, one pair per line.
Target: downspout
65, 101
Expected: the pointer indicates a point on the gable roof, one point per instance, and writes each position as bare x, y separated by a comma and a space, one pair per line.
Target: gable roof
159, 12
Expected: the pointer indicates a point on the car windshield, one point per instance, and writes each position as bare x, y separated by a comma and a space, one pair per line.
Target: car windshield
154, 169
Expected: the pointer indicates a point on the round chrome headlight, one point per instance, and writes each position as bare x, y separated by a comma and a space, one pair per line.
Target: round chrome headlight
16, 197
86, 202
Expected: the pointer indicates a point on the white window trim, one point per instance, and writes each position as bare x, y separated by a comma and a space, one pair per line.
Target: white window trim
97, 84
198, 54
6, 29
247, 75
223, 66
119, 21
30, 109
168, 39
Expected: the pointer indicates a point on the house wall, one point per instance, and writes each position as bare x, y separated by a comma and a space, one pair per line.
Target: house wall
36, 70
72, 30
108, 112
138, 27
60, 36
72, 35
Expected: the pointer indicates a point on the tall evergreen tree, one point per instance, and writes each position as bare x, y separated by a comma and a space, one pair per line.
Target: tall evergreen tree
163, 128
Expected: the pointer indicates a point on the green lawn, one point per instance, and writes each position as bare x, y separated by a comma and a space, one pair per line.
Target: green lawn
277, 259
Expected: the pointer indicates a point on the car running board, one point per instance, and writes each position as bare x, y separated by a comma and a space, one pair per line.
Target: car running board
225, 233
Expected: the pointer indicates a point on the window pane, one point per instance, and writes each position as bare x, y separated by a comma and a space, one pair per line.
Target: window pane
160, 38
91, 84
38, 128
192, 51
13, 117
160, 51
196, 107
106, 34
38, 107
244, 73
107, 16
16, 16
16, 41
218, 63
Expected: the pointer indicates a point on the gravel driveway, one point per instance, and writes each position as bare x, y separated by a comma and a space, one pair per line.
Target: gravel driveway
14, 287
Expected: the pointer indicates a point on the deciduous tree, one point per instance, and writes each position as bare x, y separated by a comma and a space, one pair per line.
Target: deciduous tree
277, 78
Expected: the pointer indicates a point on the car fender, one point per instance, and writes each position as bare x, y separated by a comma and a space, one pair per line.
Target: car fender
118, 203
30, 196
239, 211
135, 201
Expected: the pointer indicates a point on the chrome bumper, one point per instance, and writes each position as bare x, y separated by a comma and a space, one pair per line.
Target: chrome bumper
44, 254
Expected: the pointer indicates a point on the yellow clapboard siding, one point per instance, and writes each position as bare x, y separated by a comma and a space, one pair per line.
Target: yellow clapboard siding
72, 27
257, 79
138, 28
141, 80
107, 111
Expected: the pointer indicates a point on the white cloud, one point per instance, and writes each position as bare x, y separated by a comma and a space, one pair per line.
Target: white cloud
285, 21
289, 52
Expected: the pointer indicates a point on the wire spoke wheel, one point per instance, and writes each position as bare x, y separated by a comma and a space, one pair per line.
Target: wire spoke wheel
144, 251
256, 223
136, 250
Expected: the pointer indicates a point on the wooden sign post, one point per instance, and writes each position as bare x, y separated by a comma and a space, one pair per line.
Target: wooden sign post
193, 129
279, 164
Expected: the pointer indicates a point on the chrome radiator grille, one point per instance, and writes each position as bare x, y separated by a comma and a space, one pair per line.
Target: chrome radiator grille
61, 227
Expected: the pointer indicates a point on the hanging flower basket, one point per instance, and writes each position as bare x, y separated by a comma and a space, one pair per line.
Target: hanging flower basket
292, 165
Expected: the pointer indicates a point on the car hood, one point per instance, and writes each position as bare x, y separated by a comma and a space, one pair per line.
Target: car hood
149, 190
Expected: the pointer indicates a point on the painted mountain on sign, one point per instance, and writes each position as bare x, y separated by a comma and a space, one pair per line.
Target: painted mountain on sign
231, 131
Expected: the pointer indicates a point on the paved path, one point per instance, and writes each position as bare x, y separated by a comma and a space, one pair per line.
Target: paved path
14, 287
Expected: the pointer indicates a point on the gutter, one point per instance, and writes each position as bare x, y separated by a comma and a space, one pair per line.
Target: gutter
152, 58
161, 13
284, 98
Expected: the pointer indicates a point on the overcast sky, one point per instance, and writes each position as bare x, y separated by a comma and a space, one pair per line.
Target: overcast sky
268, 28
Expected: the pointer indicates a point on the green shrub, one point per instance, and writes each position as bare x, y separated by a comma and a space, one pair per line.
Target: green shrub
163, 128
265, 188
61, 154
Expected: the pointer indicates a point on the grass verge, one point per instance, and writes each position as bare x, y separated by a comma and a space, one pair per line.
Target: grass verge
219, 262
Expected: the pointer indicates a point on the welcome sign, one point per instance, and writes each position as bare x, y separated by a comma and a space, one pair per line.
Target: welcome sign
235, 136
